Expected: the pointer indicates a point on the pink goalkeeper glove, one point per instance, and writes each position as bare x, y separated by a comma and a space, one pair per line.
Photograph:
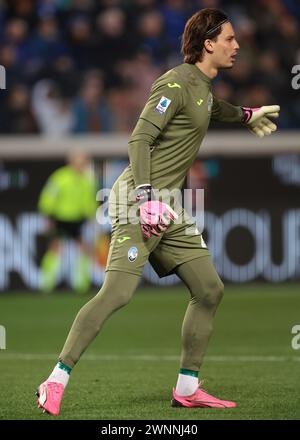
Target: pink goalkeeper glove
257, 119
155, 216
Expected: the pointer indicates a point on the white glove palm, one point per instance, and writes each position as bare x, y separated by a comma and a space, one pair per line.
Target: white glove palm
258, 122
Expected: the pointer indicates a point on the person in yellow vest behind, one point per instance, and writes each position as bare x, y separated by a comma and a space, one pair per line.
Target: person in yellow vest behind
68, 199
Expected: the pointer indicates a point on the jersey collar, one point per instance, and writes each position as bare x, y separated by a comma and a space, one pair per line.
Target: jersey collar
199, 73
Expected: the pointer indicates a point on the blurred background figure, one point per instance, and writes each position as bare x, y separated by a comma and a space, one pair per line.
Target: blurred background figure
91, 113
68, 200
51, 110
18, 117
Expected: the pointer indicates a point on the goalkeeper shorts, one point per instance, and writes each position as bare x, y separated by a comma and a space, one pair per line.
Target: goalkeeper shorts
130, 250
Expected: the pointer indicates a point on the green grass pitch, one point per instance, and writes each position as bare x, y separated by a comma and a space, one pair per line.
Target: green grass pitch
129, 370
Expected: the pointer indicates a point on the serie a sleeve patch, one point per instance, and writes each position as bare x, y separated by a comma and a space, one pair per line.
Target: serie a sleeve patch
163, 105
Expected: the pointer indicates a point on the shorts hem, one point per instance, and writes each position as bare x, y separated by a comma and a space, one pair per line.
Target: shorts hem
172, 271
132, 272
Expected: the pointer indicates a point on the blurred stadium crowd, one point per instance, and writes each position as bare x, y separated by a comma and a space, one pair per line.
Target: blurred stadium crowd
82, 66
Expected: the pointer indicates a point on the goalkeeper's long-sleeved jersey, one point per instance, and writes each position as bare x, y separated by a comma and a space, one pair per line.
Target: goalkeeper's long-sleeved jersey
171, 127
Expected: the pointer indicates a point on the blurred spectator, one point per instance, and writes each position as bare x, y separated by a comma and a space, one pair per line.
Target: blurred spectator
135, 8
223, 90
256, 96
241, 74
123, 109
24, 9
51, 110
114, 42
81, 43
152, 37
138, 73
45, 45
289, 38
18, 117
15, 36
63, 72
8, 59
269, 72
175, 15
91, 111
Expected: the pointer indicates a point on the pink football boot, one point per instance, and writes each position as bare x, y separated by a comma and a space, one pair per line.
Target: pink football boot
49, 397
200, 399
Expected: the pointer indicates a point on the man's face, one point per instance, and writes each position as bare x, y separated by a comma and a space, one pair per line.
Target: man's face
79, 161
225, 48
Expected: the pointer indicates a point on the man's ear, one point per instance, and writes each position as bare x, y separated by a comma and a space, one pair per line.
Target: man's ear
208, 46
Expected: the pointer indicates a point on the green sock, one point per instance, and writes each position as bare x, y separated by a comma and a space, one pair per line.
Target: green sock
189, 372
49, 270
60, 374
64, 367
187, 382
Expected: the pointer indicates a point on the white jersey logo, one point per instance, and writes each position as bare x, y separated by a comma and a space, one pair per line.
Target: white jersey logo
210, 102
203, 244
163, 105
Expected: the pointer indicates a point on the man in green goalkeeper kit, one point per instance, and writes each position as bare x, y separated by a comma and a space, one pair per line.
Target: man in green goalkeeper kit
162, 148
68, 199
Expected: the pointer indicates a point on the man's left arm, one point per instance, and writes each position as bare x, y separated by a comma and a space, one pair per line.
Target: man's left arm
224, 112
255, 119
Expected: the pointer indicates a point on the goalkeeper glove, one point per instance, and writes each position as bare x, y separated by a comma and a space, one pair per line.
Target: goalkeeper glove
155, 216
257, 119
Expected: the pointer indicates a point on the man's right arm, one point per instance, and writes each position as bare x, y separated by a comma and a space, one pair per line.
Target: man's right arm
139, 151
165, 101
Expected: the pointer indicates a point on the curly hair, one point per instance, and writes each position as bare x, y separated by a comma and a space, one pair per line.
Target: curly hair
207, 23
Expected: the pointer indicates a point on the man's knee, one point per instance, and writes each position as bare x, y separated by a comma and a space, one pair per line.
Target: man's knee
118, 288
210, 293
124, 297
213, 293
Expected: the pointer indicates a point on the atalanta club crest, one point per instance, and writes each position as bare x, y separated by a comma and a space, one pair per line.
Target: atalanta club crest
132, 254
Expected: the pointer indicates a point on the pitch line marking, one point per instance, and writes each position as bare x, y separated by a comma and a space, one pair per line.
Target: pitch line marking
148, 357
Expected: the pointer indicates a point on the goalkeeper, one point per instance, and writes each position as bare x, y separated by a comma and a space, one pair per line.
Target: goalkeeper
68, 200
162, 148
